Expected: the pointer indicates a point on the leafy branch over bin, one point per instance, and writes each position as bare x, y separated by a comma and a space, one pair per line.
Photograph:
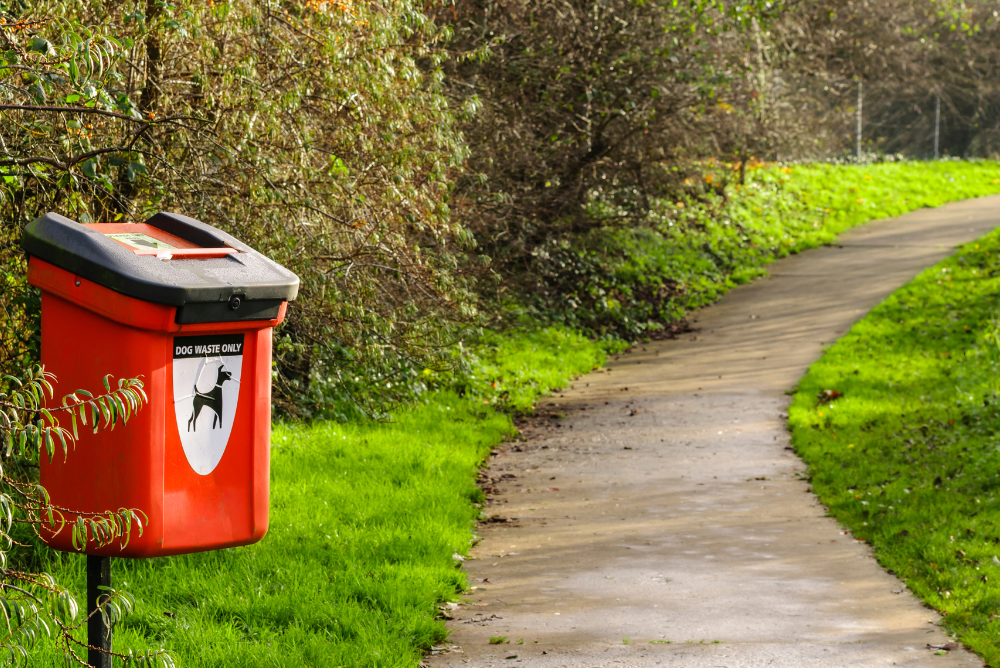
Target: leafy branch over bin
33, 605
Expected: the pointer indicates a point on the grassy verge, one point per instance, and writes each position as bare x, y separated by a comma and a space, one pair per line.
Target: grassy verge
694, 249
907, 454
365, 520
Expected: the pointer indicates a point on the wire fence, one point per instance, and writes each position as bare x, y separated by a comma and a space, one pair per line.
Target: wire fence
862, 121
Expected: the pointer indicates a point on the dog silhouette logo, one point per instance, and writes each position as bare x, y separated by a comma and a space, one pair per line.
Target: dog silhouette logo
206, 375
211, 400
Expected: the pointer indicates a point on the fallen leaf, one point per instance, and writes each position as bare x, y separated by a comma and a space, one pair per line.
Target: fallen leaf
826, 396
947, 647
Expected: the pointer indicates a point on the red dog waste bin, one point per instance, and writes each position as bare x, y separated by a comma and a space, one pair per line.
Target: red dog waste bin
190, 309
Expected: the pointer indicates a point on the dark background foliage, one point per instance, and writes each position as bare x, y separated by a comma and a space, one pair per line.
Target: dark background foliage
429, 168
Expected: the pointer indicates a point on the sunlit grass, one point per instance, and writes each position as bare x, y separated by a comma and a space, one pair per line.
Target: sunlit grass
698, 246
908, 457
365, 520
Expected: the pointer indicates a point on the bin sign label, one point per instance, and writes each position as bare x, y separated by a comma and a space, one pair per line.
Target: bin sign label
139, 240
206, 390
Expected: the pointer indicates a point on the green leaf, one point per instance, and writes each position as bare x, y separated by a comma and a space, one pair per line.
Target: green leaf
122, 409
105, 412
40, 45
95, 414
50, 443
62, 439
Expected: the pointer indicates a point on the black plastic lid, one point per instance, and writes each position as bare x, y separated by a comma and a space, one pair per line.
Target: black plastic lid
90, 254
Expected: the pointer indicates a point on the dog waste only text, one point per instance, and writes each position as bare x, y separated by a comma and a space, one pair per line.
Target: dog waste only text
206, 350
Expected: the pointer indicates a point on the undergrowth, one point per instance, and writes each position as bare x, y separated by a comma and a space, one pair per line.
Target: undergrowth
899, 423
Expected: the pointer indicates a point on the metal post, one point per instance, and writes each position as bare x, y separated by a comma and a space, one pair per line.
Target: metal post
98, 633
937, 126
857, 136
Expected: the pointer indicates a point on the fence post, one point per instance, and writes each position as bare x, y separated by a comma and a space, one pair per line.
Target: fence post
937, 125
857, 137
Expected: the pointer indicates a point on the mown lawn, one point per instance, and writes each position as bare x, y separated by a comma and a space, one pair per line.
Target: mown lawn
365, 520
907, 454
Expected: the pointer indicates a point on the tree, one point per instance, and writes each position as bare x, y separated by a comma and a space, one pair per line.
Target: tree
592, 112
907, 54
588, 102
316, 131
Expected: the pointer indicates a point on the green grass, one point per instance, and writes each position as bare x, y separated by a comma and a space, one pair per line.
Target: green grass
365, 520
697, 247
908, 457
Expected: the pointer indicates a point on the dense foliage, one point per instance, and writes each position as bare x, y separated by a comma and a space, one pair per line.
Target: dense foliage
592, 109
947, 47
421, 166
317, 132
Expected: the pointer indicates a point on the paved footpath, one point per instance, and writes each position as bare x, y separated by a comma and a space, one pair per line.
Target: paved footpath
664, 521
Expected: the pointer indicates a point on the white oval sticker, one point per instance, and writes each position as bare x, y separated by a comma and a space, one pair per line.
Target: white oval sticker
206, 372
